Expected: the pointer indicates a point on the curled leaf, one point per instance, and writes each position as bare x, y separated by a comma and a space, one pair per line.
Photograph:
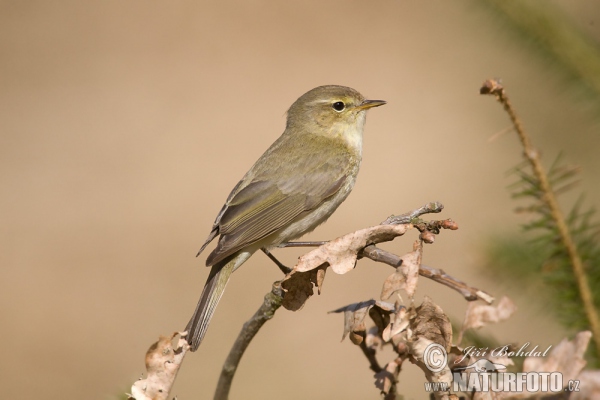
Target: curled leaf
358, 334
479, 315
431, 322
299, 287
354, 315
380, 314
162, 364
589, 383
406, 275
398, 324
423, 357
567, 358
341, 253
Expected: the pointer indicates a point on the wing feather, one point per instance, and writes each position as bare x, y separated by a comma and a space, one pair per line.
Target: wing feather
274, 197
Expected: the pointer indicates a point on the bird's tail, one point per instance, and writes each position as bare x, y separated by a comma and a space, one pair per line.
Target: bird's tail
211, 294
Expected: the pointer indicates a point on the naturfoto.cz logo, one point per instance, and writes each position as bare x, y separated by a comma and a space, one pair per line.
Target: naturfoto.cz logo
485, 375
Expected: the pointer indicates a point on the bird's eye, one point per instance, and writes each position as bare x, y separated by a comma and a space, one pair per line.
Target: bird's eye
339, 106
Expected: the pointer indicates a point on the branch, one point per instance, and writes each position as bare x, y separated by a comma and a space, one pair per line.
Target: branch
493, 87
341, 255
468, 292
409, 217
271, 303
370, 354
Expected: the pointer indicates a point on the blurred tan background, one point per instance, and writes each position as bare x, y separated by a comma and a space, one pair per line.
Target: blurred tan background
125, 124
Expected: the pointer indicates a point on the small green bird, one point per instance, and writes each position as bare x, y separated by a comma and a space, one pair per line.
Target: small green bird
293, 187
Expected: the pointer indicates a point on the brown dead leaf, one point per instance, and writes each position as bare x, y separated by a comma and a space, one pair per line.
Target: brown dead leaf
320, 278
430, 322
458, 359
162, 364
566, 358
589, 386
354, 315
380, 314
341, 253
406, 275
479, 315
399, 323
296, 290
298, 287
358, 334
420, 349
386, 377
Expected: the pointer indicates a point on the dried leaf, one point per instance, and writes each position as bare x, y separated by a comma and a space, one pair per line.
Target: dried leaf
420, 350
299, 287
566, 358
400, 323
297, 290
431, 322
406, 275
320, 278
358, 334
392, 284
458, 359
479, 315
354, 315
589, 386
386, 377
162, 364
341, 253
380, 314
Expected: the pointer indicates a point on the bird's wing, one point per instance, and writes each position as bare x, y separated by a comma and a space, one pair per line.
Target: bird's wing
274, 198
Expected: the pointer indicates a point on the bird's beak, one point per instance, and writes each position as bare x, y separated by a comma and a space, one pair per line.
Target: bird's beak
370, 104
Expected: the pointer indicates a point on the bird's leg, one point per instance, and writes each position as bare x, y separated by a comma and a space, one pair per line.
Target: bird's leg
301, 244
282, 267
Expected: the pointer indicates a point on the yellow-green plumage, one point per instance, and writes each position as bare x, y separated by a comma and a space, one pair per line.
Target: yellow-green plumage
293, 187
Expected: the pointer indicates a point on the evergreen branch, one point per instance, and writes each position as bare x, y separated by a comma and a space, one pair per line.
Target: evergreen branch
493, 87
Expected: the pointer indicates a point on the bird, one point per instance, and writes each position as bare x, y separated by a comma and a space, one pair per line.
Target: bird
298, 182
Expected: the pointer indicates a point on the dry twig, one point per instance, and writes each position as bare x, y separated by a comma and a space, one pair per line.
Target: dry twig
271, 303
494, 88
341, 254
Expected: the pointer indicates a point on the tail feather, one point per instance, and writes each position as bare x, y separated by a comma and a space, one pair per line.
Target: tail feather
211, 294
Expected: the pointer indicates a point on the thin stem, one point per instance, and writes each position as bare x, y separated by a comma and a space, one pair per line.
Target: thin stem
271, 303
468, 292
532, 155
407, 218
370, 354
